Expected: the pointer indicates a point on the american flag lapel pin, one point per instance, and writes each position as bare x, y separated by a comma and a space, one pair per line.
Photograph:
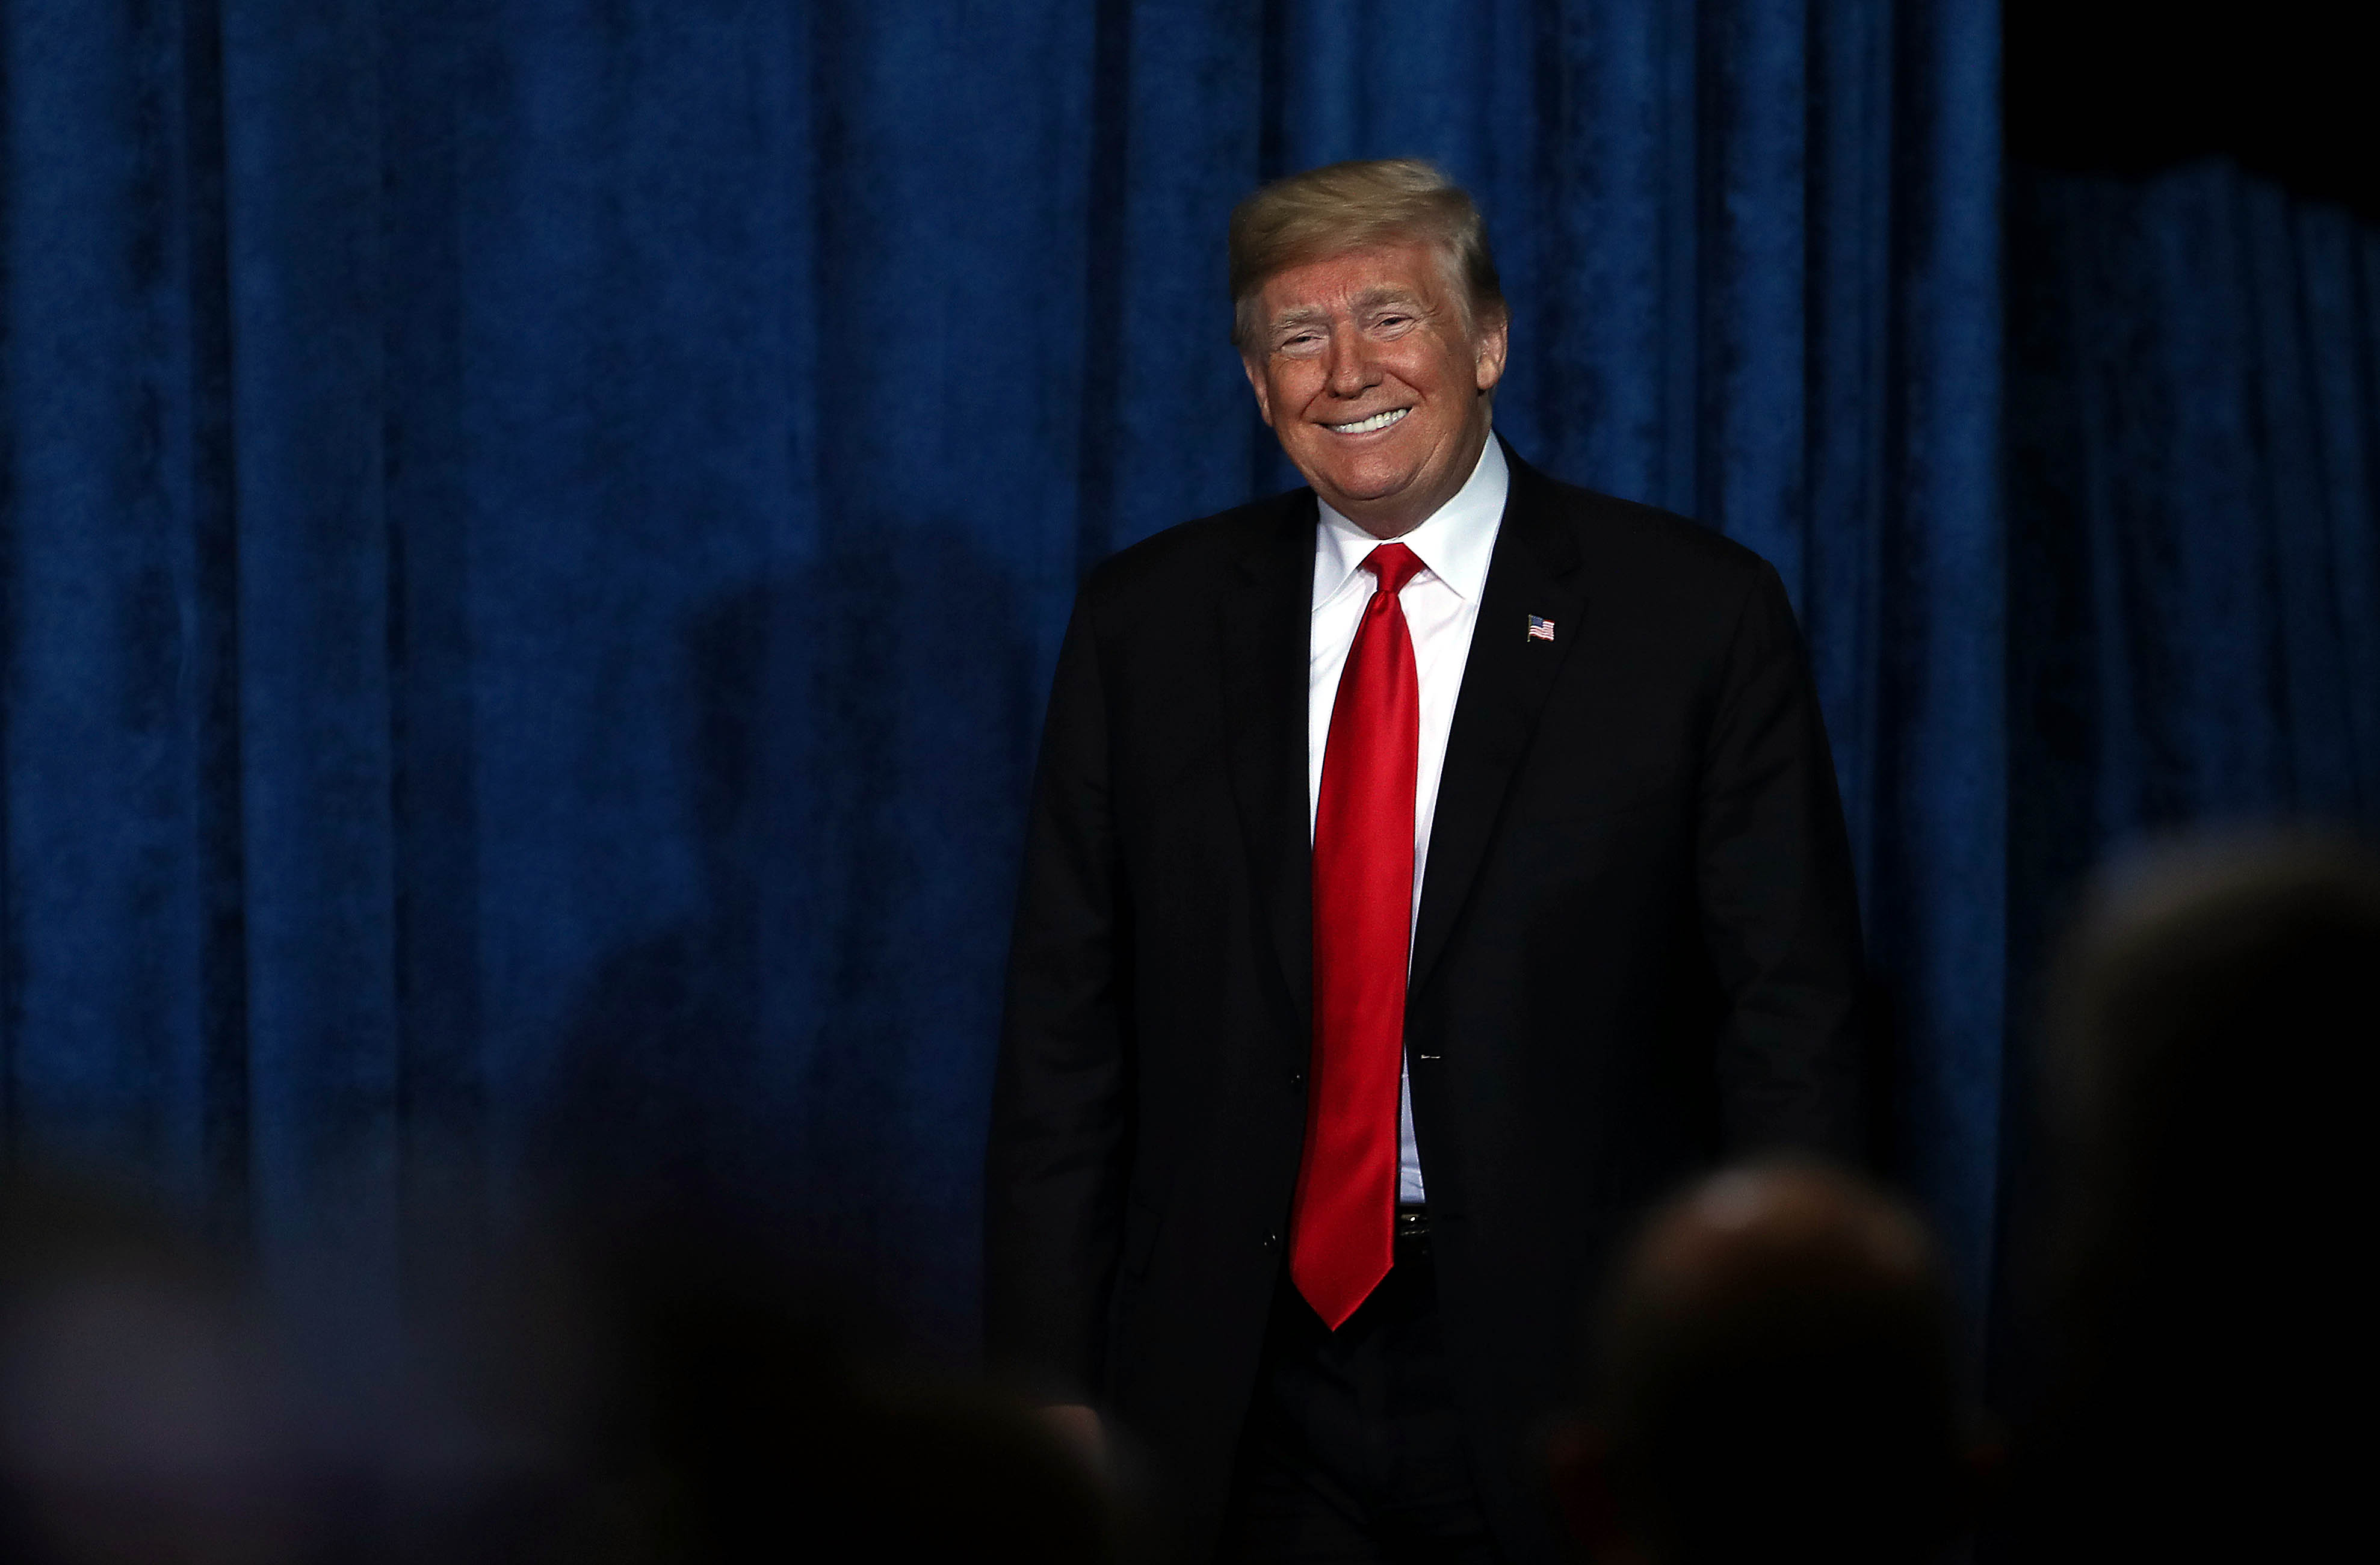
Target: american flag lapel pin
1540, 630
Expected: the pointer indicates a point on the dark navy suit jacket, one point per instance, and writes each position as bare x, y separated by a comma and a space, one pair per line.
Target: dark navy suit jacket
1637, 951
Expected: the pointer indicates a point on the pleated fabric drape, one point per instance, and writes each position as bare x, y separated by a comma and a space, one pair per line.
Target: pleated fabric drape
533, 538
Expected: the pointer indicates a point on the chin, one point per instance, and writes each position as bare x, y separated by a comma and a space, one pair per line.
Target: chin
1365, 488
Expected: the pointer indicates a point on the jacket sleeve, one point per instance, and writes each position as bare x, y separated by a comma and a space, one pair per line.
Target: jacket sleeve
1779, 911
1056, 1161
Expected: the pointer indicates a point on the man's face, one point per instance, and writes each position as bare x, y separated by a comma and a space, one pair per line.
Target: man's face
1368, 369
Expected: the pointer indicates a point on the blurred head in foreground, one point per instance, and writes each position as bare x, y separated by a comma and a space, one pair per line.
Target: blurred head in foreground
142, 1415
1777, 1381
2211, 1041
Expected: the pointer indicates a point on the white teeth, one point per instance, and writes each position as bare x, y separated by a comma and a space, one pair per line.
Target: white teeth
1377, 421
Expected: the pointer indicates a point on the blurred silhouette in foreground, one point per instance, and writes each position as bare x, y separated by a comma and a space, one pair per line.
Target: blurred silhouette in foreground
657, 1395
141, 1413
754, 1429
1776, 1381
2209, 1313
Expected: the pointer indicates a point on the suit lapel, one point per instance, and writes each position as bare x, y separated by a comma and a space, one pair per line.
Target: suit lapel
1534, 572
1266, 614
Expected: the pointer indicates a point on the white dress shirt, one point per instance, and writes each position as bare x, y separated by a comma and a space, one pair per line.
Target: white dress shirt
1441, 606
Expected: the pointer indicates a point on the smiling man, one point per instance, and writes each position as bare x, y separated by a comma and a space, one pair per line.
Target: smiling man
1371, 368
1427, 870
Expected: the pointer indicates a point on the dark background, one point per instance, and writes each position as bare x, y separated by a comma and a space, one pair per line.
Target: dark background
533, 535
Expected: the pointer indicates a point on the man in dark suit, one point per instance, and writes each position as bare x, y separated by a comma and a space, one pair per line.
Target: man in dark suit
1427, 869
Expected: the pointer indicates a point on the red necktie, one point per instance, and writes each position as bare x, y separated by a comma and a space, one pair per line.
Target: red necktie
1341, 1227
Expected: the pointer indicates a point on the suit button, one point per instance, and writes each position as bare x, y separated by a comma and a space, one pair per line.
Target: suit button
1272, 1242
1297, 1080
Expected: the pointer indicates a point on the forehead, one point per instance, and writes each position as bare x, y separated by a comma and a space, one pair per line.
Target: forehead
1405, 269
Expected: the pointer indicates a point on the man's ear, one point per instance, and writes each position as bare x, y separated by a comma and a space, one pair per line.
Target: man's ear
1578, 1462
1494, 338
1257, 385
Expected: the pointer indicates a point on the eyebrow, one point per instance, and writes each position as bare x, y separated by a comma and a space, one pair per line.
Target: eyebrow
1370, 299
1307, 317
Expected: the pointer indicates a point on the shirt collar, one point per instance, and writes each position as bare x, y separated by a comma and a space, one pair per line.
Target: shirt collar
1454, 543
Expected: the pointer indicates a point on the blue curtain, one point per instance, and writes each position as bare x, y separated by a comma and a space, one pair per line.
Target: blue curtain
533, 536
2194, 435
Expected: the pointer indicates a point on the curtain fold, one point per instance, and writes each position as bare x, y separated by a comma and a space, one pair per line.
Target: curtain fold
533, 537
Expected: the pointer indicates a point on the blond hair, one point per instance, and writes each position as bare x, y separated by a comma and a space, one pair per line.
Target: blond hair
1349, 206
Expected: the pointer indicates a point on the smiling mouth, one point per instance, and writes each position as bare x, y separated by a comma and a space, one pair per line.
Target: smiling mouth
1366, 426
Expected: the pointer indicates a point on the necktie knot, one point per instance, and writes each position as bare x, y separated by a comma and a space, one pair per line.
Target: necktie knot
1395, 565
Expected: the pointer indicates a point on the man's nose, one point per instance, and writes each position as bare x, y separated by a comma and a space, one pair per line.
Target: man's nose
1350, 369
